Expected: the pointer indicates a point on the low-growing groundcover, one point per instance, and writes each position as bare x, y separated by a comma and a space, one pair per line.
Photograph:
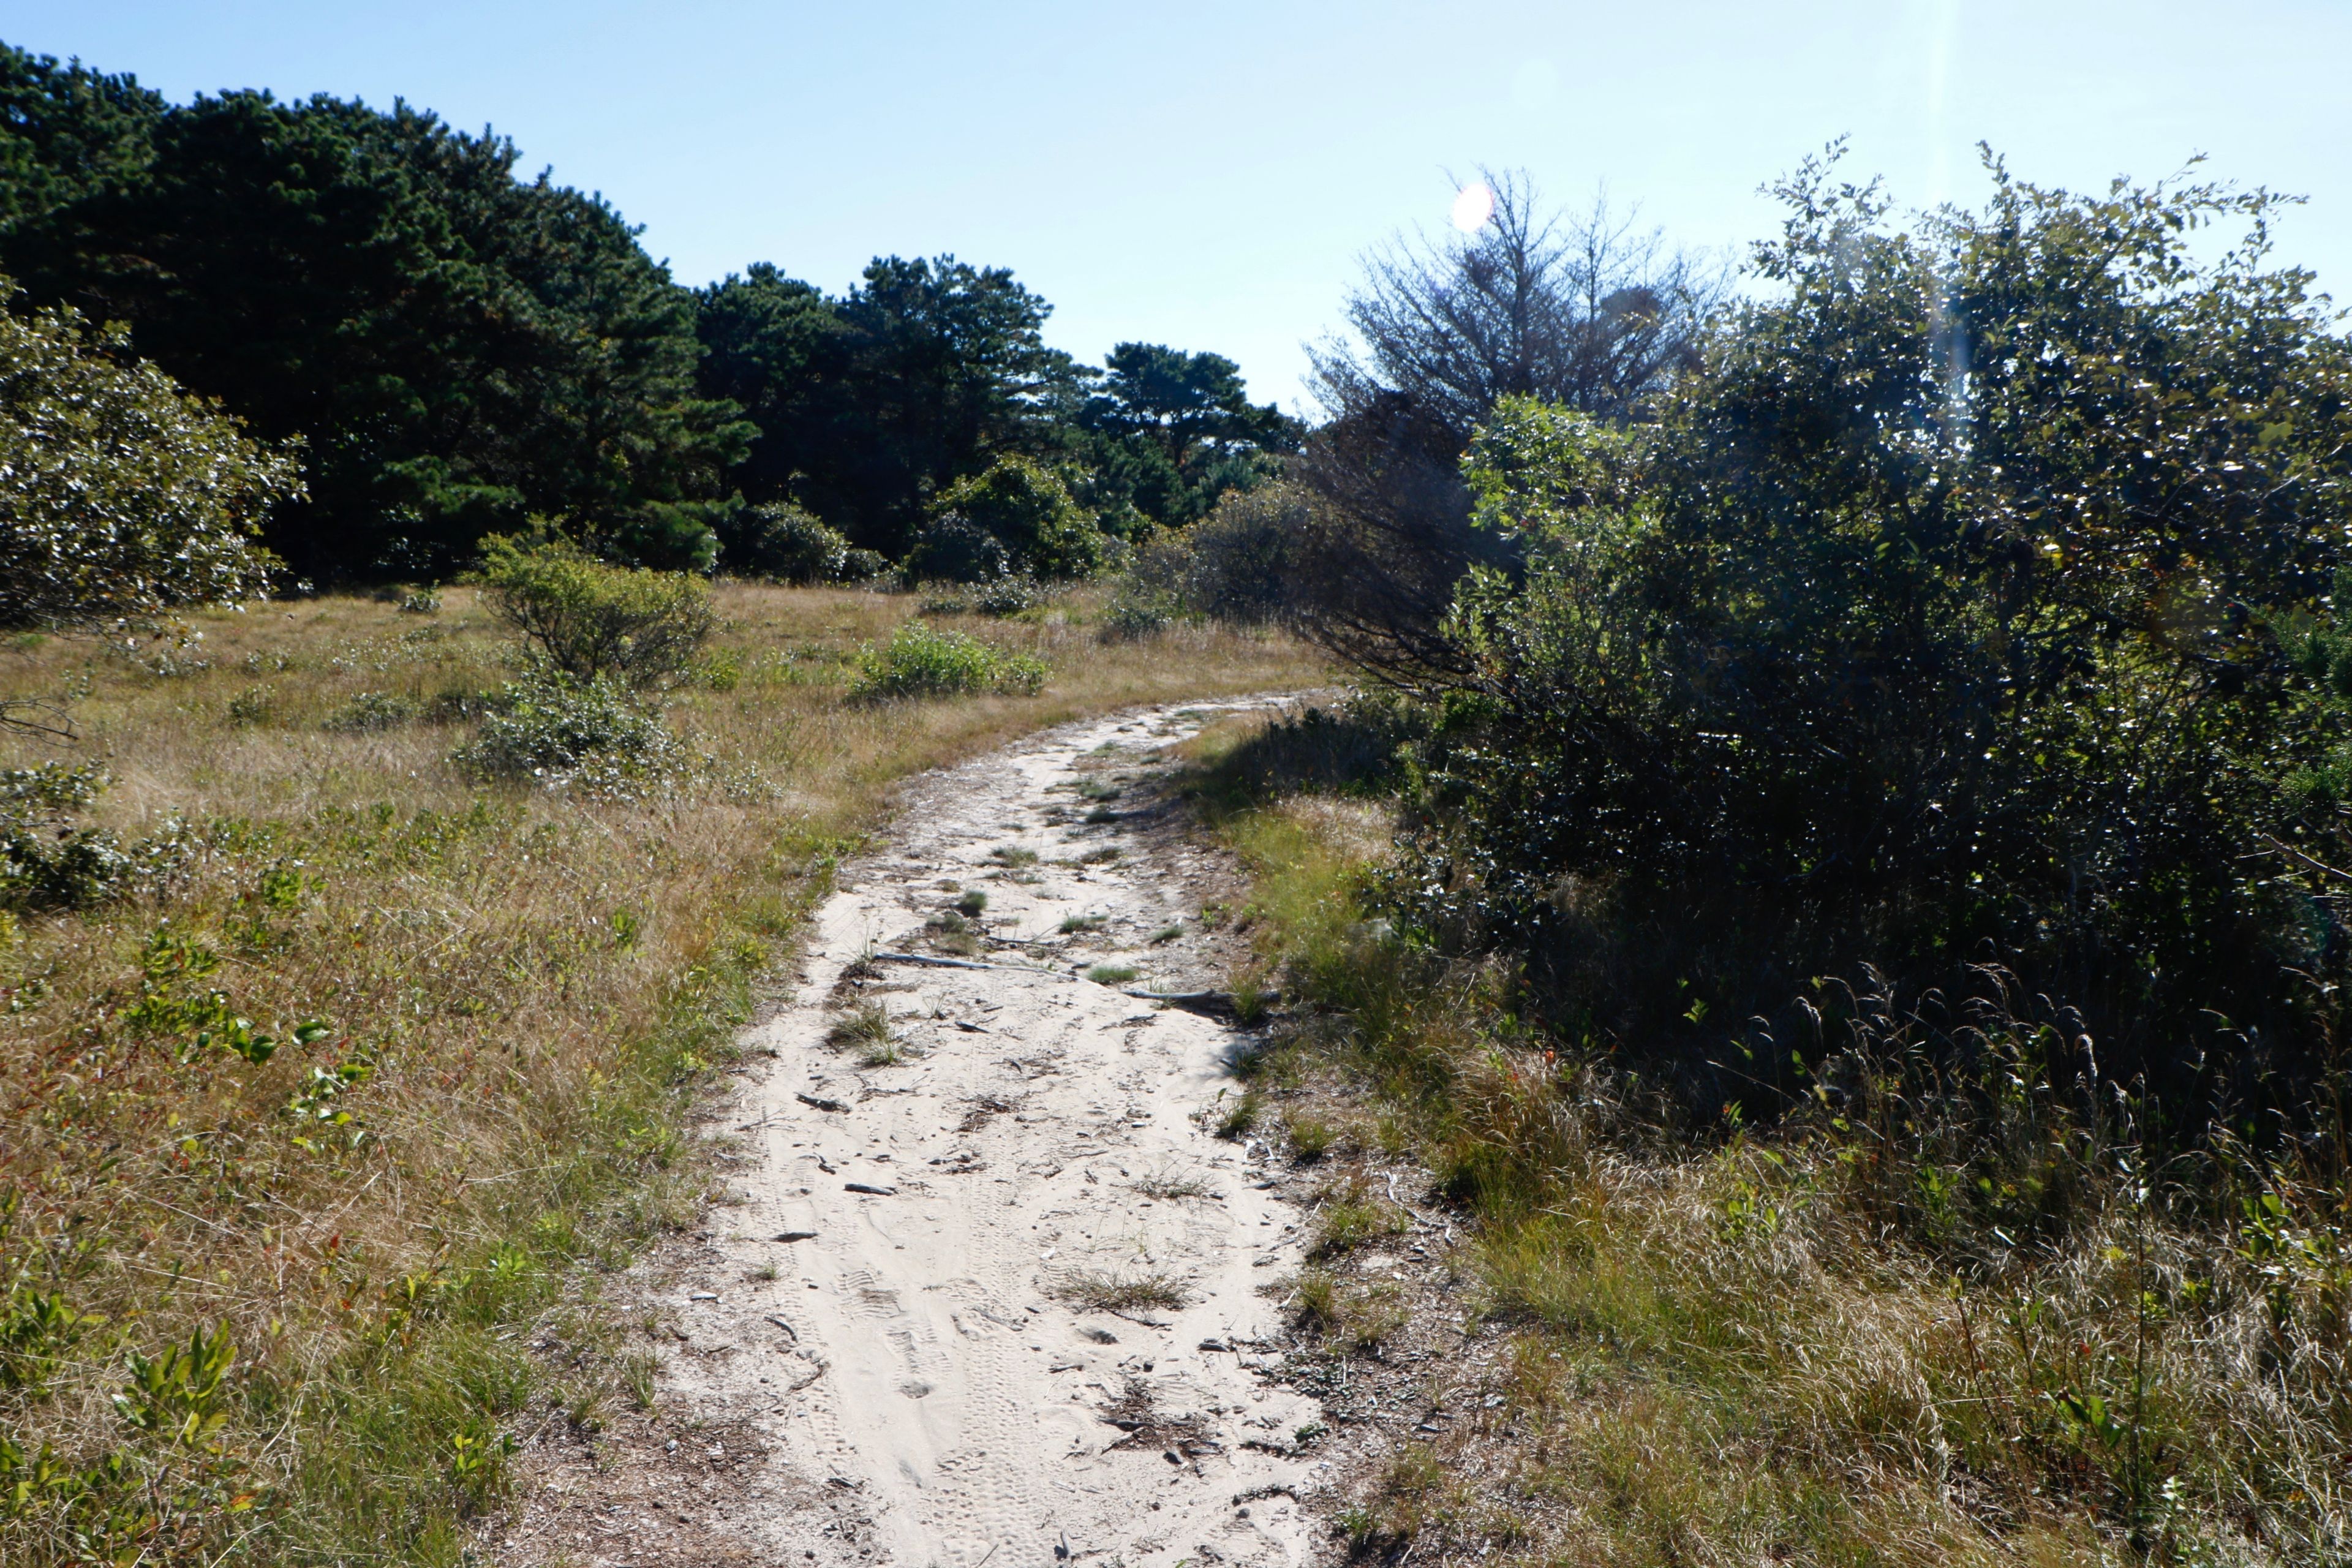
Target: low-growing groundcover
310, 1141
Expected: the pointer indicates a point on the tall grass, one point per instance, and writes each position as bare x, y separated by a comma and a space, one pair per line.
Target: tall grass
305, 1154
1951, 1314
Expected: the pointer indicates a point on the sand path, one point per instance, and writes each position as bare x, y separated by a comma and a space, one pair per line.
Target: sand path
921, 1355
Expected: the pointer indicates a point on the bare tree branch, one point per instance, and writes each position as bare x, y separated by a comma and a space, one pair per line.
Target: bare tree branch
1584, 309
43, 720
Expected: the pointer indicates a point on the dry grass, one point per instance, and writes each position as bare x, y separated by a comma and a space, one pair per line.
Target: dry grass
1092, 1291
527, 991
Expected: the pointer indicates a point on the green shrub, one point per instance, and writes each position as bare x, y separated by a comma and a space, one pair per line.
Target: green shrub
863, 565
1136, 612
1858, 659
254, 705
782, 543
560, 730
998, 596
1027, 508
1237, 564
47, 863
954, 549
120, 495
594, 622
919, 661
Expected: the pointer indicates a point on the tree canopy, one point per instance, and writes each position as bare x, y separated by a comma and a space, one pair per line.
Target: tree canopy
459, 347
1169, 432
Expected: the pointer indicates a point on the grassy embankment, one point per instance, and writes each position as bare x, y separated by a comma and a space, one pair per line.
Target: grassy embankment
1787, 1346
523, 994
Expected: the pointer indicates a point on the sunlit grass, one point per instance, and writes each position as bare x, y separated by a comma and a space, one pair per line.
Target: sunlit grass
527, 993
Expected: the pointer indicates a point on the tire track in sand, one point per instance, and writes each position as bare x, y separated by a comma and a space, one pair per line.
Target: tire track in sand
1042, 1128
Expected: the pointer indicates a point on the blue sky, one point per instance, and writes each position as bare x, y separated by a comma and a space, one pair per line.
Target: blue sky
1208, 174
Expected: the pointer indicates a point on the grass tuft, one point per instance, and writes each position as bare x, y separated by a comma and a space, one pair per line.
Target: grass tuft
1096, 1291
863, 1026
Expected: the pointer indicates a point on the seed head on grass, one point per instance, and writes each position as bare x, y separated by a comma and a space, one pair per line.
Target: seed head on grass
1095, 1290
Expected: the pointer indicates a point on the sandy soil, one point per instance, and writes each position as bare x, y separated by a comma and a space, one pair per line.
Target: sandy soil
923, 1334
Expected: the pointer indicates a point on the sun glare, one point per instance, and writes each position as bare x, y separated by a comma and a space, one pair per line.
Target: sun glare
1472, 207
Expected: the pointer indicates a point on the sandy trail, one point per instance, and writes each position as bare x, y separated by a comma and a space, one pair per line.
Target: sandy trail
920, 1361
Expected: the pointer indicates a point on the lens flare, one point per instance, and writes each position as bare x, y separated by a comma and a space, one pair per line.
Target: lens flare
1472, 207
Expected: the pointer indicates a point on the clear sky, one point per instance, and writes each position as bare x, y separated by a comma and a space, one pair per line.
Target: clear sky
1207, 174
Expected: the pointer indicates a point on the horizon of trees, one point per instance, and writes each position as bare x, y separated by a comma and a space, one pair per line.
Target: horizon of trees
457, 350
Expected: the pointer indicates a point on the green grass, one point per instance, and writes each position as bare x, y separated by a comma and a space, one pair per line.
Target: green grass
1110, 973
1169, 1186
1311, 1136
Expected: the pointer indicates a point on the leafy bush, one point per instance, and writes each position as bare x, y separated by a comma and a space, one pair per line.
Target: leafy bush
784, 544
594, 622
953, 549
1135, 612
1235, 565
919, 661
47, 863
120, 495
863, 565
1882, 648
560, 730
1025, 506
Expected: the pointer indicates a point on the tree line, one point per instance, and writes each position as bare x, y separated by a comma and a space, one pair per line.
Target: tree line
454, 351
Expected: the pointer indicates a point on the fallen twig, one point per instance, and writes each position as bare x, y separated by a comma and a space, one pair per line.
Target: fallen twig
928, 961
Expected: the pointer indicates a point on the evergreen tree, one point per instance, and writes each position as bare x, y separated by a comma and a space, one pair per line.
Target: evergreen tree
459, 349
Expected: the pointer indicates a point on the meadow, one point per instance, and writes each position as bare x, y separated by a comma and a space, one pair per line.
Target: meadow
312, 1138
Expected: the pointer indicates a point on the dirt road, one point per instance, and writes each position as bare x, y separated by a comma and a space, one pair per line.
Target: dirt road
997, 1300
